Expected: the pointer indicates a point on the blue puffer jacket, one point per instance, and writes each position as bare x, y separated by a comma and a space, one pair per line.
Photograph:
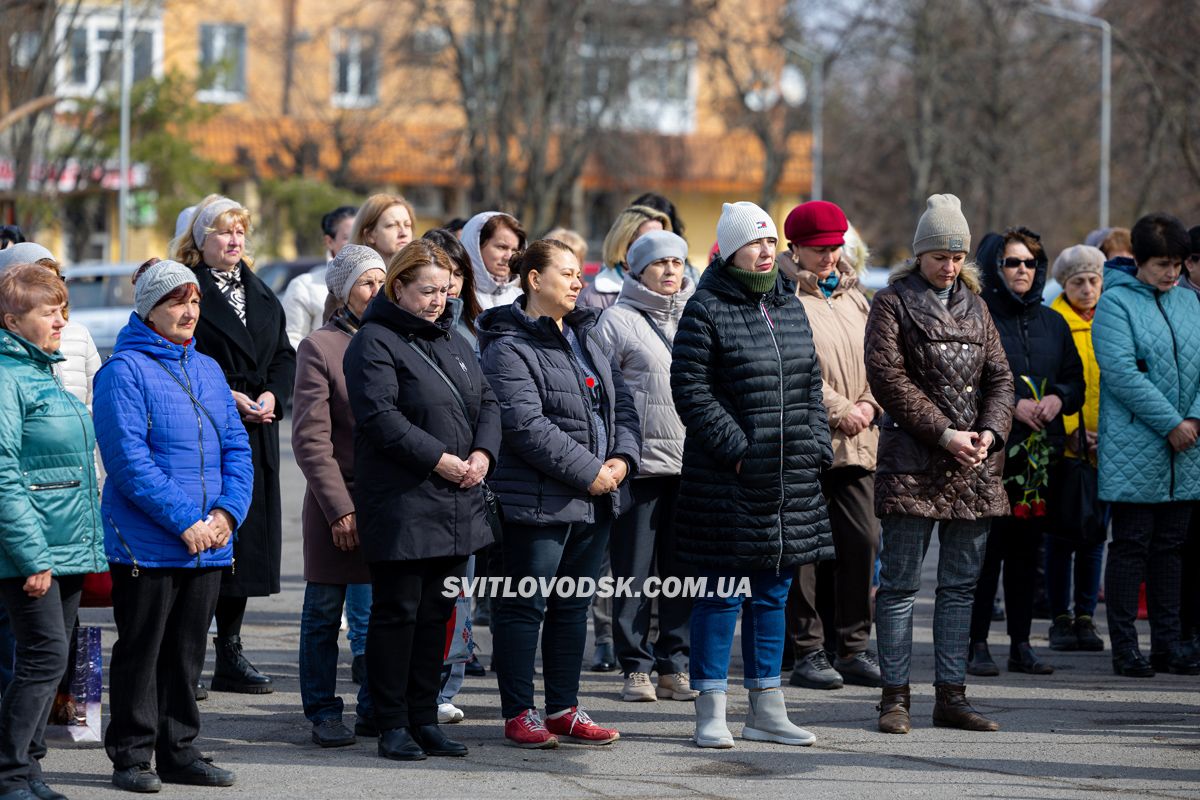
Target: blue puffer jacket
167, 466
1148, 347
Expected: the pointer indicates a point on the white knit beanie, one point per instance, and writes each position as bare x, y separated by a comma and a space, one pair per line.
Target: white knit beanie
741, 223
348, 266
942, 227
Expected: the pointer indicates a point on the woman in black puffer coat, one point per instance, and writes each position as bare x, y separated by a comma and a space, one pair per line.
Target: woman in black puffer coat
747, 386
1041, 353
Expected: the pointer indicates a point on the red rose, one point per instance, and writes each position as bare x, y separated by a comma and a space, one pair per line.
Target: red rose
1022, 511
1039, 508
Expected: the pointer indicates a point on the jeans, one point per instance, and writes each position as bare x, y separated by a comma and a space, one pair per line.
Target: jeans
905, 542
41, 628
1013, 544
1147, 545
8, 651
1088, 560
358, 616
162, 628
406, 642
643, 544
763, 620
543, 551
320, 621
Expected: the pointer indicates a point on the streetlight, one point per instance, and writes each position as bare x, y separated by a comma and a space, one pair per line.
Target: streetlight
126, 81
816, 62
1105, 91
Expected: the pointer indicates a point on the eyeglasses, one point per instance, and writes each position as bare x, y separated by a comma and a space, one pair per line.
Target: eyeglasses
1012, 263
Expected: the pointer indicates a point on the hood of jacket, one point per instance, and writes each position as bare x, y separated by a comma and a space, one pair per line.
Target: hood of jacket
1000, 298
511, 320
609, 280
484, 282
384, 312
661, 307
1122, 273
21, 349
1075, 322
806, 282
140, 337
720, 282
969, 276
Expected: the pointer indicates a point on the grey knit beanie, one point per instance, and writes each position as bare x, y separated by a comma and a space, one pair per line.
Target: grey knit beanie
349, 265
652, 246
24, 253
1077, 259
157, 282
208, 217
181, 222
741, 223
942, 227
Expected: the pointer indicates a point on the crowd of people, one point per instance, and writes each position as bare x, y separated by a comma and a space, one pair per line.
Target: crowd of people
465, 404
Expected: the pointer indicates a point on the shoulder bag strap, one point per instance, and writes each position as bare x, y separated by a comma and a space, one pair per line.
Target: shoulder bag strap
433, 365
654, 327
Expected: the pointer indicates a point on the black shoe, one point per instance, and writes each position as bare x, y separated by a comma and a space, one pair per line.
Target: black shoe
1177, 663
1062, 634
40, 790
474, 669
1131, 664
399, 745
365, 728
200, 691
358, 669
979, 661
604, 660
200, 772
332, 733
436, 743
1022, 658
138, 778
997, 610
814, 671
860, 669
234, 673
1085, 632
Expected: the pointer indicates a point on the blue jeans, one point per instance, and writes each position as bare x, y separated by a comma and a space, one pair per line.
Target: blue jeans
905, 542
358, 616
763, 621
320, 622
1088, 560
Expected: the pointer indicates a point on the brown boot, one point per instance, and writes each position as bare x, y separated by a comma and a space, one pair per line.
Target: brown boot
893, 710
951, 710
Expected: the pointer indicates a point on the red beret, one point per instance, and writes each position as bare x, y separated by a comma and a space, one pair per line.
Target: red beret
816, 223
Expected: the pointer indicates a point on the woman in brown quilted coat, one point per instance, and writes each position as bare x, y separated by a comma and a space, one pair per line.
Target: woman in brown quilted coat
936, 366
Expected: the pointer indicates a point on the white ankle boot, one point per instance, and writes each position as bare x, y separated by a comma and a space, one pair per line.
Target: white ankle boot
711, 730
768, 721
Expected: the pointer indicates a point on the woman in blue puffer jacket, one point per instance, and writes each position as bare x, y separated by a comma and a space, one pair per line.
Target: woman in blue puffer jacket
1147, 339
180, 479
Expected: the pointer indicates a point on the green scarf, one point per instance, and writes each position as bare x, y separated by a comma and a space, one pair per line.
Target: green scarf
756, 282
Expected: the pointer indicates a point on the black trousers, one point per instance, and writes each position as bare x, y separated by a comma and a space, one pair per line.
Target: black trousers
42, 628
1013, 544
1147, 544
406, 640
1189, 598
162, 618
850, 494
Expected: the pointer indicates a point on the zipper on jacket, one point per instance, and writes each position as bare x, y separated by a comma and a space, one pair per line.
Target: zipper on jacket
44, 487
1178, 376
583, 390
92, 502
199, 442
762, 307
124, 544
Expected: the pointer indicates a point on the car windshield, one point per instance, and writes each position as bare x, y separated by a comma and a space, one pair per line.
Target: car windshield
100, 291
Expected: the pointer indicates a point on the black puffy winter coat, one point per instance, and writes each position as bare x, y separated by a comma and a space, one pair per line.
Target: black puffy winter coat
547, 461
406, 418
747, 385
1037, 341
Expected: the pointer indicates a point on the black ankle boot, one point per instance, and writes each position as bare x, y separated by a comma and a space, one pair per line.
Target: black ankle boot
234, 673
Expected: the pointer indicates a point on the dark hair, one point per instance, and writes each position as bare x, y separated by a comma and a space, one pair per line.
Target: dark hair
1026, 237
330, 221
660, 203
147, 264
454, 225
11, 234
450, 244
502, 221
1159, 235
1194, 236
536, 258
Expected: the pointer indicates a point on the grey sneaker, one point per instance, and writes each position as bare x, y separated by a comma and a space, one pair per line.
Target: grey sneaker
814, 671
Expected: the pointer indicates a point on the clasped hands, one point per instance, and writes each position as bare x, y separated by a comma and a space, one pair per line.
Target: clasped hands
466, 474
857, 419
261, 411
210, 533
1037, 414
612, 472
970, 448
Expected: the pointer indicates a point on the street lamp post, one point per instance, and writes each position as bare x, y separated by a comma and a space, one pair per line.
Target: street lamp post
816, 62
1105, 91
126, 81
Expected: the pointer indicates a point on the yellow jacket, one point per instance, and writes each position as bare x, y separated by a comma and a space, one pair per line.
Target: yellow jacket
1081, 332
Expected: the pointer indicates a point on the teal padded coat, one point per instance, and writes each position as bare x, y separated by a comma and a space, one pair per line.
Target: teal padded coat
49, 499
1148, 346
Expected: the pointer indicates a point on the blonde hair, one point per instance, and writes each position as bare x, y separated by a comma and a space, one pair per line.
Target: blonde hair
413, 256
186, 251
855, 251
624, 231
571, 239
368, 215
969, 274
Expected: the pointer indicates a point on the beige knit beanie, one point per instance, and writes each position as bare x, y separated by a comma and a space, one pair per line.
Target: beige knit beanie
942, 227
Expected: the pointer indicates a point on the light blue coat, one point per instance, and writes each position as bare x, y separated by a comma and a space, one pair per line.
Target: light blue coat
1148, 346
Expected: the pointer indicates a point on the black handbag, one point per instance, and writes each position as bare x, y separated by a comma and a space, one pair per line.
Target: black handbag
1075, 513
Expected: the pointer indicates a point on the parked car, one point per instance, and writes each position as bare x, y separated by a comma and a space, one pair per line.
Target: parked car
101, 296
278, 274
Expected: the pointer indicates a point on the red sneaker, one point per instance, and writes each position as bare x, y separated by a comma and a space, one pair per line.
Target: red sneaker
526, 730
576, 726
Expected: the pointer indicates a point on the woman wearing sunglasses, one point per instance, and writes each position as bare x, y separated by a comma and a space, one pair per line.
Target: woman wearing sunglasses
1048, 383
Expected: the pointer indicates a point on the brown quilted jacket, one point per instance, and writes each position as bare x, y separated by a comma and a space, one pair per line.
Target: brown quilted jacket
933, 367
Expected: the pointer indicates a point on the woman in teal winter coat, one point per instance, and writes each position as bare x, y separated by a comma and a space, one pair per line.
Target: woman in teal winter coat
1147, 340
49, 517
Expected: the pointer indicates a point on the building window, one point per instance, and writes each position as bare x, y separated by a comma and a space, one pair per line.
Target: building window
223, 61
650, 86
355, 69
92, 51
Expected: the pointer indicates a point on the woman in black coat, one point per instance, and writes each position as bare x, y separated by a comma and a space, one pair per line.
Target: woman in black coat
1048, 383
571, 439
747, 385
242, 328
426, 434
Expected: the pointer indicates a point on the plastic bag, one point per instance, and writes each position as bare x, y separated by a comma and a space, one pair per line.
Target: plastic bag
459, 641
75, 715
